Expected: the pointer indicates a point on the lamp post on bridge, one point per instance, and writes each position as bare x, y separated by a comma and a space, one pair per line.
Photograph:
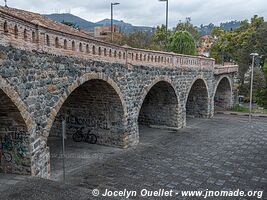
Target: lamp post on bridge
111, 20
251, 83
167, 16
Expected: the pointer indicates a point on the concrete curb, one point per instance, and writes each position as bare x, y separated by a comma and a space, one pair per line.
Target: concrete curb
241, 114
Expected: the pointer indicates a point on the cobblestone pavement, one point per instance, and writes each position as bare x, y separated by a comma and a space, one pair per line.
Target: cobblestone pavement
223, 153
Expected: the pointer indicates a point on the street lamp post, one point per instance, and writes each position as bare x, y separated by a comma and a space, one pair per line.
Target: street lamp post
251, 83
167, 16
111, 21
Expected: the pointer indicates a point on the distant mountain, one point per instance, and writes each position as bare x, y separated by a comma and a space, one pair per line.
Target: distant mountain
82, 23
227, 26
106, 22
125, 27
129, 28
67, 17
230, 25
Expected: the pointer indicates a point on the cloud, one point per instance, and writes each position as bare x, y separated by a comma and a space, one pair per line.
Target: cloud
151, 12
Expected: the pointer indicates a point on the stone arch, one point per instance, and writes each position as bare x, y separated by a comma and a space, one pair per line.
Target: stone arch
33, 37
16, 127
25, 34
73, 46
16, 31
47, 40
87, 48
15, 98
105, 52
160, 97
56, 42
5, 27
76, 84
197, 98
93, 49
222, 94
65, 44
81, 47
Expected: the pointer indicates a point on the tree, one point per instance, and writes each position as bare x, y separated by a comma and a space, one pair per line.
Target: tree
73, 25
139, 39
187, 26
159, 38
236, 45
182, 42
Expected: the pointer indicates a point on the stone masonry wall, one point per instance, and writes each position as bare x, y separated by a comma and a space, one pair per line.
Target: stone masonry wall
45, 81
198, 100
160, 99
223, 95
14, 139
42, 63
96, 107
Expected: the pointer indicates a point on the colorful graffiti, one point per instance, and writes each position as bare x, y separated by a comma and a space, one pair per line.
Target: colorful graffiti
13, 147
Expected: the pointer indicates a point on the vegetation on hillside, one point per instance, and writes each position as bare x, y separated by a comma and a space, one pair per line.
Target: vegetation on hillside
236, 46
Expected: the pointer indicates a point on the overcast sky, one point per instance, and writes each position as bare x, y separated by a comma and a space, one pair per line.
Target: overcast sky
150, 12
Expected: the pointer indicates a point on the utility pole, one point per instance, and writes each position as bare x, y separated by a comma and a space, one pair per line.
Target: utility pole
111, 20
251, 84
167, 19
63, 146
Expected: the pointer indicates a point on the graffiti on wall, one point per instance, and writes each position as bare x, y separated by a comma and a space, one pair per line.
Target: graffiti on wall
13, 149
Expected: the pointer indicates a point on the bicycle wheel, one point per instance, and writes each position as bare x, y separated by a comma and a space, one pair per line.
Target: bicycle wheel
77, 137
7, 157
91, 138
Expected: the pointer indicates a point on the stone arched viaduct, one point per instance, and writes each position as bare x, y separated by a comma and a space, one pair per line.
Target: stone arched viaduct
95, 84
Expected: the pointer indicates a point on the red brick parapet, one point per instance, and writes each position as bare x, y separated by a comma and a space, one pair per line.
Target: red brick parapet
32, 31
226, 69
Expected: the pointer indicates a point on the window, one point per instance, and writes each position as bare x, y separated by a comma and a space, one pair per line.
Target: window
87, 48
99, 51
110, 53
